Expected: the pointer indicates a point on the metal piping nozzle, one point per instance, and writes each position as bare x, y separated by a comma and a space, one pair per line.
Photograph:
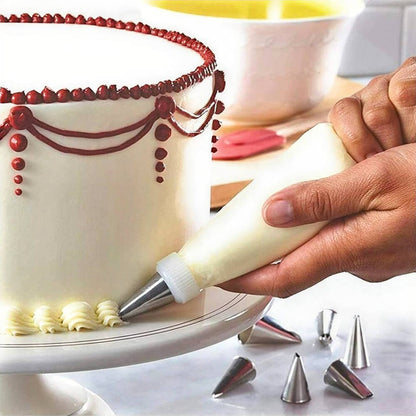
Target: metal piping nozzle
241, 371
296, 389
153, 295
342, 377
356, 355
327, 326
268, 331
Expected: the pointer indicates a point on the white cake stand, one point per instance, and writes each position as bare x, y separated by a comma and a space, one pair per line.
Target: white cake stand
175, 329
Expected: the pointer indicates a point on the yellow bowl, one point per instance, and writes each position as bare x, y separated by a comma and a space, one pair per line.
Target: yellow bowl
280, 57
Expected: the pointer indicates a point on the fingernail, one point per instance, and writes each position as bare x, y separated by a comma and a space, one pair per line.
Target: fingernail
279, 212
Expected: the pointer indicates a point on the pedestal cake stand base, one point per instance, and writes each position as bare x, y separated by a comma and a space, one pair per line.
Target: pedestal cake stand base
175, 329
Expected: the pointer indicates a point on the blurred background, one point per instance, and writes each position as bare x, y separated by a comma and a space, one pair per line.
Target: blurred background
382, 36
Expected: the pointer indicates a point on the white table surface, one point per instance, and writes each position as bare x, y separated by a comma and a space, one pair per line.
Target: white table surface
182, 385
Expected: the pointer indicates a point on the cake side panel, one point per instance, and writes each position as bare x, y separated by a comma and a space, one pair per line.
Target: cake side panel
90, 228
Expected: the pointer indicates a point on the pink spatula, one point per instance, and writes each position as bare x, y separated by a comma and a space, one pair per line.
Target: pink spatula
249, 142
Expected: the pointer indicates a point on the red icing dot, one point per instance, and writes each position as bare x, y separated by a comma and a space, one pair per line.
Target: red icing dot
80, 20
161, 87
57, 18
219, 107
219, 80
130, 26
214, 139
49, 96
121, 25
33, 97
18, 191
18, 163
26, 18
135, 92
69, 19
77, 94
18, 142
112, 92
176, 86
37, 18
160, 167
155, 90
124, 92
102, 92
47, 18
110, 22
159, 179
5, 95
20, 117
214, 149
100, 21
89, 94
160, 153
18, 179
165, 106
146, 91
216, 124
63, 95
18, 98
163, 132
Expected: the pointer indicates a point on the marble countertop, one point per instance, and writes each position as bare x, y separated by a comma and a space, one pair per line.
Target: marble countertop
183, 385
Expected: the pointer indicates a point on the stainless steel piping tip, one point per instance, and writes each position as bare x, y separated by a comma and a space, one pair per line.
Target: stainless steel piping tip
327, 326
268, 331
153, 295
296, 389
342, 377
241, 370
356, 355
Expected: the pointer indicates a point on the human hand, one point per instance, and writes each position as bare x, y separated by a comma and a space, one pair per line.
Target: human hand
371, 233
380, 116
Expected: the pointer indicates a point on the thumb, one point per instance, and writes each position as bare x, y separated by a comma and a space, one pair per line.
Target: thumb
346, 193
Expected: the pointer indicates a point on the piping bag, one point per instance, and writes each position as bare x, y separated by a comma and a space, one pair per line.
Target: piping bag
237, 240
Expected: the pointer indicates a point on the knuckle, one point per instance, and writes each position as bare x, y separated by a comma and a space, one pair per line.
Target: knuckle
378, 83
318, 203
409, 62
344, 106
378, 117
283, 288
381, 180
403, 93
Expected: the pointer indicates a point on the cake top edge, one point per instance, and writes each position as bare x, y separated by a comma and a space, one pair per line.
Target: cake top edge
112, 91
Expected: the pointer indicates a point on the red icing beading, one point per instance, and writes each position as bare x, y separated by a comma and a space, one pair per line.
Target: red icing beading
112, 92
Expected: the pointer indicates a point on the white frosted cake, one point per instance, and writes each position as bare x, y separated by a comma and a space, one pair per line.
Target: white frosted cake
105, 148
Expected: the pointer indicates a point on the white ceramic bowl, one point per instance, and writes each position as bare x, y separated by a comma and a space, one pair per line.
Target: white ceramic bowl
273, 68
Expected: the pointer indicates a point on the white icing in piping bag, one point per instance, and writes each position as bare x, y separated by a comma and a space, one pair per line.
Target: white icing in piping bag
237, 240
